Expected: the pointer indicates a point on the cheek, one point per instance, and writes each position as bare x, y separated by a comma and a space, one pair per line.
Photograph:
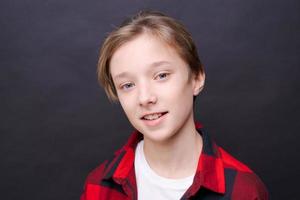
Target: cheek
178, 88
180, 94
127, 104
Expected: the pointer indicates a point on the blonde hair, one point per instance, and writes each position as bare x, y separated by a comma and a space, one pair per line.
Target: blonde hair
169, 30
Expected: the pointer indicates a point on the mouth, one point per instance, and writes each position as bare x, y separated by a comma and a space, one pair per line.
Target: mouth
154, 116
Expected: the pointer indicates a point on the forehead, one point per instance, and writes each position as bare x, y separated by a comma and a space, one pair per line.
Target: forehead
141, 52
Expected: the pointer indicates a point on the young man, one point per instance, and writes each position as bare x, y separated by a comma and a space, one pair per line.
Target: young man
151, 66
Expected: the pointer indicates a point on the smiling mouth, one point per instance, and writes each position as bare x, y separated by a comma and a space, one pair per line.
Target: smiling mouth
154, 118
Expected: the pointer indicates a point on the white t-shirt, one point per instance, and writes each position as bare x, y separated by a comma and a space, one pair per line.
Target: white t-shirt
152, 186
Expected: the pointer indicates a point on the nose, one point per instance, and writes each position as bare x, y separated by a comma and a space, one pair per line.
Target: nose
146, 95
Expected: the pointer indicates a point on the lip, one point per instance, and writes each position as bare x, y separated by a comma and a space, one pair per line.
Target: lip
155, 122
153, 113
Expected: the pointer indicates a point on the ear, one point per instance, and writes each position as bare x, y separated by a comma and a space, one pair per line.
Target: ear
198, 83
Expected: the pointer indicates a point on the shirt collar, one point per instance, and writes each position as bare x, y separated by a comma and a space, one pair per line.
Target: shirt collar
210, 169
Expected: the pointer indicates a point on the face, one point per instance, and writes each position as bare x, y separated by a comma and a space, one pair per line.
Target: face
150, 77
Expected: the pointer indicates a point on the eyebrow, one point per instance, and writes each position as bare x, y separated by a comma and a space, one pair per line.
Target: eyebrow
153, 65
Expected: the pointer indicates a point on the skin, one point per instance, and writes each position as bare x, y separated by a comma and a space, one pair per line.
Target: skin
173, 147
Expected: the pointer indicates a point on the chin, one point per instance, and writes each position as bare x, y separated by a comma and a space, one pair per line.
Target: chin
158, 136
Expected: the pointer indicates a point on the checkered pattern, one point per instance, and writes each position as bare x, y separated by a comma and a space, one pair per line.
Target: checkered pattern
218, 176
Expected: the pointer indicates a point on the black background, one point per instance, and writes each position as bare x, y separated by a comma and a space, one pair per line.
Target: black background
57, 124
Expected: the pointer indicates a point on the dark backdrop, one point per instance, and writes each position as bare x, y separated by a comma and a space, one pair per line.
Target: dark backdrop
57, 124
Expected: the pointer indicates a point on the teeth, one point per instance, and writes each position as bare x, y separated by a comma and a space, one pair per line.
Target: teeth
152, 117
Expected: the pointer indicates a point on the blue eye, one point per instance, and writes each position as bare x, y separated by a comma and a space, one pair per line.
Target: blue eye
163, 75
126, 86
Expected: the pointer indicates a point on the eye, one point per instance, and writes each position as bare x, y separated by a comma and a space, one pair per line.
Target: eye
126, 86
163, 75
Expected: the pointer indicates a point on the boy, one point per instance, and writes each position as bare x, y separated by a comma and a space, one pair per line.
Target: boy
151, 66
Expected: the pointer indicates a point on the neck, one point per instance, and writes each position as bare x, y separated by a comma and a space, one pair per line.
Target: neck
178, 157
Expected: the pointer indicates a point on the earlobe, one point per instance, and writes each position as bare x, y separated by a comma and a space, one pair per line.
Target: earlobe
199, 83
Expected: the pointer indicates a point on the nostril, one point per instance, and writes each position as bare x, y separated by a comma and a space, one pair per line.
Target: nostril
146, 98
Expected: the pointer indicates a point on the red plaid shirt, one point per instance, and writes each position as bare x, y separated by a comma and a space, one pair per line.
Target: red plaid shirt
218, 175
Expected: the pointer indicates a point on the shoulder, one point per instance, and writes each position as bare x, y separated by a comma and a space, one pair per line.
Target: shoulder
247, 185
92, 185
95, 176
93, 179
